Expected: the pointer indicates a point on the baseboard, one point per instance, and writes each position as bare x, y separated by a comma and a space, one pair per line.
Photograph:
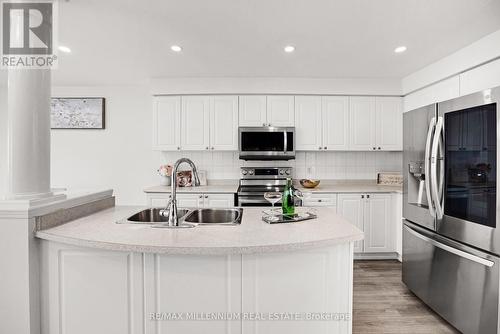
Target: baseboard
376, 256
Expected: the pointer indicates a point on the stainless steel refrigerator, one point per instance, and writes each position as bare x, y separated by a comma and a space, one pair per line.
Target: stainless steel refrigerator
451, 241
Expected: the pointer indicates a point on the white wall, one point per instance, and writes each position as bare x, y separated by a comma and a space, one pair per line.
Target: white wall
119, 157
3, 139
479, 52
297, 86
326, 165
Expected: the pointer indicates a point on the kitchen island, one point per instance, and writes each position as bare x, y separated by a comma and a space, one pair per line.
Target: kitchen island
101, 277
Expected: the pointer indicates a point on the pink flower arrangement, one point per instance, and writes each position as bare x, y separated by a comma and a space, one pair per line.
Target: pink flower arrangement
165, 170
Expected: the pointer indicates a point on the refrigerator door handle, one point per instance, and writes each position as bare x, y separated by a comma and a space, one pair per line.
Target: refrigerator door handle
450, 249
436, 191
432, 126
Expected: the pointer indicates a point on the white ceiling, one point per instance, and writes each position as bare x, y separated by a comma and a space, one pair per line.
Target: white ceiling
128, 41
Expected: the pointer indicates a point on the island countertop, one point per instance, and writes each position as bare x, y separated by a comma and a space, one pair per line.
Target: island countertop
99, 230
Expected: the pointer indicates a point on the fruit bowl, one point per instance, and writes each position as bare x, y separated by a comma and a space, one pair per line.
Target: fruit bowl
307, 183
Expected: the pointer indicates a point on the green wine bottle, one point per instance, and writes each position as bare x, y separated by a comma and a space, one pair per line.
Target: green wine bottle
287, 200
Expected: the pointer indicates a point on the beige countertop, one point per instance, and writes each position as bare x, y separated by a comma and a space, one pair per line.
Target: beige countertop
99, 230
351, 186
326, 186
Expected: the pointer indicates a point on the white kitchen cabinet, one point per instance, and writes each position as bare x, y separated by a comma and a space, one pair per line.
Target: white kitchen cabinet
252, 110
389, 124
398, 212
280, 110
195, 123
320, 199
335, 123
322, 123
308, 127
479, 78
374, 215
378, 224
362, 123
192, 200
218, 200
167, 123
224, 123
350, 206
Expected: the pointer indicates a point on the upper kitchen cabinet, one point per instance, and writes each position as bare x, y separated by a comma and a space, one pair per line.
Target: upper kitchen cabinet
362, 123
167, 123
376, 124
389, 124
280, 110
335, 123
252, 110
308, 123
224, 123
195, 123
321, 123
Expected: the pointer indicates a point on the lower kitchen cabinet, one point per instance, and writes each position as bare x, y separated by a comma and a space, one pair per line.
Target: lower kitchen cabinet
318, 200
350, 206
192, 200
372, 213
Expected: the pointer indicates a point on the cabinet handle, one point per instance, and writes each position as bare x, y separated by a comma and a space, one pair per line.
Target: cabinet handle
201, 196
379, 148
263, 124
178, 148
206, 196
212, 147
206, 148
367, 196
325, 147
362, 196
268, 124
374, 148
319, 147
320, 200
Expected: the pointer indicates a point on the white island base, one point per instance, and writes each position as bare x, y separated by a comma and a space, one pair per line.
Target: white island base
87, 290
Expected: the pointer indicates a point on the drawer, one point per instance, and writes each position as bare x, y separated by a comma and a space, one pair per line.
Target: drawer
321, 200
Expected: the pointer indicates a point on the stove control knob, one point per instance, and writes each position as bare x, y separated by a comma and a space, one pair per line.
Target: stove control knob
287, 172
244, 172
251, 172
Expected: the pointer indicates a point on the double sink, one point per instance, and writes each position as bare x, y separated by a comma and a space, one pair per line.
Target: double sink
196, 217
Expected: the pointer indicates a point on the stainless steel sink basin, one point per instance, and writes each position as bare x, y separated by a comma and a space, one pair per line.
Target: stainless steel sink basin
151, 216
215, 216
187, 218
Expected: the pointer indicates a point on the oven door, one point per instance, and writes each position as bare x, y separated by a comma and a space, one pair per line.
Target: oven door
267, 143
465, 172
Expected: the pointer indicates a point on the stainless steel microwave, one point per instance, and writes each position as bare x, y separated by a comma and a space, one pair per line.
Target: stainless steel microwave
267, 143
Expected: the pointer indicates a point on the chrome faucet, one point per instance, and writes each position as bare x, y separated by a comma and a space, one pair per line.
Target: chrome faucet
173, 220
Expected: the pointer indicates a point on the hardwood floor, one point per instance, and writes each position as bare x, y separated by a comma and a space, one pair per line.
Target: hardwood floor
383, 304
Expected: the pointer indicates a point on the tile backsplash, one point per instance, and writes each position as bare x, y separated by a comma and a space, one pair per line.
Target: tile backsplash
323, 165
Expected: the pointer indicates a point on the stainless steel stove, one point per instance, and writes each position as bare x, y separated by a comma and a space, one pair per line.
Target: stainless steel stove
255, 181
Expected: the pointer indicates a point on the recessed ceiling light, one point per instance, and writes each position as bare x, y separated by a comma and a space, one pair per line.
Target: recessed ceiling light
176, 48
289, 48
64, 49
400, 49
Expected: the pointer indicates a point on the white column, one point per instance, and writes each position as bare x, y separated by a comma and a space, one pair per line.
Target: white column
29, 133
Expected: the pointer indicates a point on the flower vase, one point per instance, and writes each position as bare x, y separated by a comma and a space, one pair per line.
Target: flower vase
165, 180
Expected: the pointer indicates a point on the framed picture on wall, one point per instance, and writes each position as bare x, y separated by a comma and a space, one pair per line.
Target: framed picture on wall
77, 113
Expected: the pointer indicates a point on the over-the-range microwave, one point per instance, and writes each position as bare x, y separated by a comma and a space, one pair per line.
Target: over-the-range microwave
267, 143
